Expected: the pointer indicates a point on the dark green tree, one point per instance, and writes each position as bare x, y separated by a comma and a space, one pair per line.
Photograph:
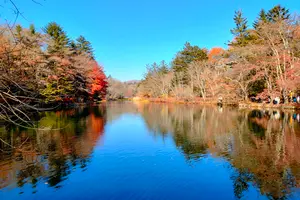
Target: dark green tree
73, 47
19, 30
278, 13
185, 57
84, 46
240, 31
59, 38
163, 67
32, 29
262, 18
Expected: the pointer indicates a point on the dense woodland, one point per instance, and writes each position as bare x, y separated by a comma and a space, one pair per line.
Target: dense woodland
45, 68
262, 61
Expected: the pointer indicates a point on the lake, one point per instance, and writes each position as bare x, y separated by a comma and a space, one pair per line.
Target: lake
153, 151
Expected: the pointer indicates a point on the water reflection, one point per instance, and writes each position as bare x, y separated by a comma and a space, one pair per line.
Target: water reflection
261, 146
63, 142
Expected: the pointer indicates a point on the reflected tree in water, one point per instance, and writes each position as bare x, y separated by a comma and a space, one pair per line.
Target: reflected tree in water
261, 146
64, 142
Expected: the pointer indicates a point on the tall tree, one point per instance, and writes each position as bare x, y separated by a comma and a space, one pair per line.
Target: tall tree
262, 18
241, 29
278, 13
73, 47
186, 56
84, 46
98, 81
163, 68
58, 36
32, 29
19, 30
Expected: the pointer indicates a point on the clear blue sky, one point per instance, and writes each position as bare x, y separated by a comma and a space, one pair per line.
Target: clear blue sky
128, 34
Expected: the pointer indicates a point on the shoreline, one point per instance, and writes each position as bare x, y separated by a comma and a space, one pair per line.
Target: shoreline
251, 105
197, 101
264, 106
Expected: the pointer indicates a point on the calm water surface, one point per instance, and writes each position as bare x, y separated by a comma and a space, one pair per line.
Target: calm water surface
153, 151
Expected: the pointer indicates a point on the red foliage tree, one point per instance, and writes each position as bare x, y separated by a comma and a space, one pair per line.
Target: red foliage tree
98, 84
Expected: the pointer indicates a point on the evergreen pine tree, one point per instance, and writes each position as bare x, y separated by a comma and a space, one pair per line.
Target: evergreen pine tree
186, 56
84, 46
73, 47
262, 18
278, 13
19, 30
241, 30
163, 67
58, 36
32, 29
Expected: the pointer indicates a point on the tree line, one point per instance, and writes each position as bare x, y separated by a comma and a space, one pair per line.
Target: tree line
117, 89
263, 61
45, 67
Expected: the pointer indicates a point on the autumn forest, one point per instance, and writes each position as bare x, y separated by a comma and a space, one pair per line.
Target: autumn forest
204, 121
261, 62
47, 67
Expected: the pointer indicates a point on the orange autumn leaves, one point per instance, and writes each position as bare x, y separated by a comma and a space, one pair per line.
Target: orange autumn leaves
98, 80
215, 53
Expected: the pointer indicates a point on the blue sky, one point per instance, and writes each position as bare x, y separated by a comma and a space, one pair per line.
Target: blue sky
128, 34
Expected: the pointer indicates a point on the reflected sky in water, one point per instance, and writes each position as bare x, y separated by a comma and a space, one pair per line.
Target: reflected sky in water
153, 151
